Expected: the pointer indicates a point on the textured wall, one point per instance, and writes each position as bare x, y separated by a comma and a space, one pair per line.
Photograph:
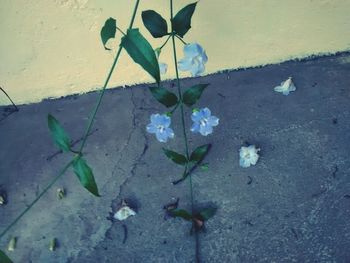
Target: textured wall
52, 48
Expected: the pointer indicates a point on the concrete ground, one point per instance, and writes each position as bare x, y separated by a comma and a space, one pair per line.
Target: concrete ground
293, 206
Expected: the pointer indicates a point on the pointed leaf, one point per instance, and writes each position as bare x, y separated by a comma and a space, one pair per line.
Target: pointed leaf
207, 213
192, 95
181, 213
175, 157
164, 96
181, 23
141, 52
4, 258
58, 134
108, 31
155, 23
199, 153
85, 175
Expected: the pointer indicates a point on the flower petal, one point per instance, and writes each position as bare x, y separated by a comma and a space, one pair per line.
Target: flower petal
205, 130
197, 116
151, 128
213, 121
123, 213
165, 120
204, 57
163, 68
185, 64
155, 119
244, 163
192, 50
286, 87
197, 68
206, 112
195, 127
170, 132
161, 136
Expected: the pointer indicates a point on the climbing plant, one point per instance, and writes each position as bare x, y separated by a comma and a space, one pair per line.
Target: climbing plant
194, 61
142, 53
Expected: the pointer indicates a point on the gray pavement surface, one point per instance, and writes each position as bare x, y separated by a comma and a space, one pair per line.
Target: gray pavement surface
293, 206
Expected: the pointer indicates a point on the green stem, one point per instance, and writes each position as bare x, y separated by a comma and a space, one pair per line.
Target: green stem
166, 41
121, 31
88, 129
183, 42
37, 198
94, 112
176, 106
183, 128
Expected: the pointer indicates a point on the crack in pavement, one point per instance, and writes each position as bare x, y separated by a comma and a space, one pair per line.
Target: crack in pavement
141, 155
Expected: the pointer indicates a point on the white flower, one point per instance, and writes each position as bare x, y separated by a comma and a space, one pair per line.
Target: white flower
248, 156
286, 86
123, 213
194, 60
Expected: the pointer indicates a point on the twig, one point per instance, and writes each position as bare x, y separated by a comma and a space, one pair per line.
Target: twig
125, 233
14, 105
194, 167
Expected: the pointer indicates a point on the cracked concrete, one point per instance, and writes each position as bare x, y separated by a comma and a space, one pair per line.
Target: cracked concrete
293, 206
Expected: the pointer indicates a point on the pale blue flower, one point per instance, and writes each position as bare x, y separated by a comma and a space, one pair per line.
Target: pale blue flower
160, 127
203, 122
163, 68
194, 60
248, 156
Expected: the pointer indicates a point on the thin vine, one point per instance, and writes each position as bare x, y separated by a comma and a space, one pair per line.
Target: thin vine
82, 170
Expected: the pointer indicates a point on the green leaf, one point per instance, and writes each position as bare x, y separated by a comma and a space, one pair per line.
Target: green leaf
175, 157
181, 213
155, 23
164, 96
108, 31
4, 258
141, 52
199, 153
58, 134
85, 175
181, 23
192, 95
207, 213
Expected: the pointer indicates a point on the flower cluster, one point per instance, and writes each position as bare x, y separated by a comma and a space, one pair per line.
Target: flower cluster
203, 123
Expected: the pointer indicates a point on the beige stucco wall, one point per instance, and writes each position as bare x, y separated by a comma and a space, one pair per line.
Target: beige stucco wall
50, 48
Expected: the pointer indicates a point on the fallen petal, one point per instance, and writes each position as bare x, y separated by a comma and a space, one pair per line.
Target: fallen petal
286, 87
12, 244
123, 213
